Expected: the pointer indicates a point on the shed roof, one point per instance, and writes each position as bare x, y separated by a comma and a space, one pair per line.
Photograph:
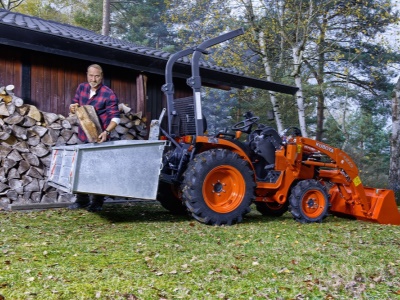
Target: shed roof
41, 35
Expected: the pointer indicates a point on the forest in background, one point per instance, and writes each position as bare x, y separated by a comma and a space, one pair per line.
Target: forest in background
342, 55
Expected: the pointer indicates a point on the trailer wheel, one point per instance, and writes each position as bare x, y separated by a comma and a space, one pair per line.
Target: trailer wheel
218, 187
309, 201
170, 197
272, 209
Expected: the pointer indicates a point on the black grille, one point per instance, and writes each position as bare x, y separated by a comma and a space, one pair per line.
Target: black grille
185, 109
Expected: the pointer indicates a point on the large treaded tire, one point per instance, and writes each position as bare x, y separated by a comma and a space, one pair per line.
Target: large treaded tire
309, 201
272, 209
170, 197
218, 187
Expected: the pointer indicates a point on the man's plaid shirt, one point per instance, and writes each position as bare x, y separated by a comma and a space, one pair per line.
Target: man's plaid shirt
105, 102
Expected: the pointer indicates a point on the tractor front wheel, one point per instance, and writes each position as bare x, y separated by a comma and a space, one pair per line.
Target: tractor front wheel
218, 187
309, 201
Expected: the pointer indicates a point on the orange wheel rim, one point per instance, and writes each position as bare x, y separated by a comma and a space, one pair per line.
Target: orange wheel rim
224, 189
313, 204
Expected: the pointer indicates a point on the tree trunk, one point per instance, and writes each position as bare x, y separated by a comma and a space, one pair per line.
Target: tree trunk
105, 29
394, 170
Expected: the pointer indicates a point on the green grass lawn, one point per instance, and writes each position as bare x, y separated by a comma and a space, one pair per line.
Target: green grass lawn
140, 251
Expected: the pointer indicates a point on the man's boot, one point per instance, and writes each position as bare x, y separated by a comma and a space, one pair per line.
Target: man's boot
82, 201
97, 203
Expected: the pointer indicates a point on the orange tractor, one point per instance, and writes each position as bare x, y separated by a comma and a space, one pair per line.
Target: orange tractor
217, 178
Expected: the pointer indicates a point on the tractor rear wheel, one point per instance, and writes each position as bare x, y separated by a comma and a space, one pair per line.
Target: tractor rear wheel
272, 209
218, 187
170, 197
309, 201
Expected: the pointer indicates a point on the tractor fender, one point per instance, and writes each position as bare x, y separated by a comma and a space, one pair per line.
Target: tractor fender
204, 143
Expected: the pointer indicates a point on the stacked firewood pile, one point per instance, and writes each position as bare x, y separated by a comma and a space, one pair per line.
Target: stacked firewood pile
27, 136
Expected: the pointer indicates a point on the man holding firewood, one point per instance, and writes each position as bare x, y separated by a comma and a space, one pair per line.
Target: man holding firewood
105, 103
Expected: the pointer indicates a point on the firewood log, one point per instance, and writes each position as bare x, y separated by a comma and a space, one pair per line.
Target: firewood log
5, 150
15, 184
12, 174
15, 118
22, 110
14, 155
33, 139
40, 130
21, 146
34, 113
3, 187
35, 173
46, 160
67, 134
36, 197
121, 129
33, 186
31, 158
28, 122
89, 122
3, 110
8, 163
50, 197
20, 132
23, 166
40, 150
12, 195
66, 124
50, 118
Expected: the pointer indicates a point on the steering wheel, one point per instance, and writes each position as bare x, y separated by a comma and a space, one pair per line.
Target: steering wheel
245, 123
295, 131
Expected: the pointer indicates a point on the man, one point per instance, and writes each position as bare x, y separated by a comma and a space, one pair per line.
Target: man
105, 103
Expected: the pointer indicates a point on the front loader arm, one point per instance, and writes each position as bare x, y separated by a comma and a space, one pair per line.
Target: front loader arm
348, 196
341, 170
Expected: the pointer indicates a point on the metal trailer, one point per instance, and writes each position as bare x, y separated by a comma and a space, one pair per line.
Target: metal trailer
117, 168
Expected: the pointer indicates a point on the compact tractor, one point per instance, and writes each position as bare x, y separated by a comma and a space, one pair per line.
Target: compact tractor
216, 178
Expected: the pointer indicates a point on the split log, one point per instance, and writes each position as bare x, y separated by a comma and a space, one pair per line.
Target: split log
20, 132
121, 130
67, 134
3, 110
46, 161
23, 166
7, 99
36, 197
15, 184
73, 140
12, 195
21, 146
5, 150
33, 139
50, 197
8, 164
28, 122
11, 108
3, 187
66, 124
35, 173
34, 113
33, 186
89, 122
13, 174
15, 118
40, 130
40, 150
22, 110
14, 155
50, 118
31, 158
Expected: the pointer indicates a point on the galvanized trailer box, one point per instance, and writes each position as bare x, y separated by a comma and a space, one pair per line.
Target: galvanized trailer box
116, 168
